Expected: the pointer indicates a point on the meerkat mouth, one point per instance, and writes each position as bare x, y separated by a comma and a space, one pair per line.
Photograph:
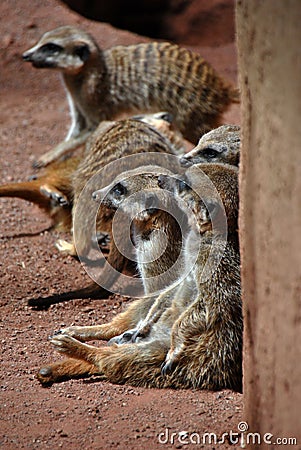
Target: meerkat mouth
43, 64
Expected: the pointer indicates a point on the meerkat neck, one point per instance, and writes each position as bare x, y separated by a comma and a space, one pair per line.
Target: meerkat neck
158, 248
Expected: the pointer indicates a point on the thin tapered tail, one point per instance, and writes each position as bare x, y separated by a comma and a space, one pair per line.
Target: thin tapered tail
29, 190
93, 290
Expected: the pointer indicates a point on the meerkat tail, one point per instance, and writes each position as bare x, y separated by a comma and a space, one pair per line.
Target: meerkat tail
93, 290
29, 190
64, 370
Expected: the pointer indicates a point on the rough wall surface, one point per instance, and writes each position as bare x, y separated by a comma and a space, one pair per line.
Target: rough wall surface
190, 22
269, 38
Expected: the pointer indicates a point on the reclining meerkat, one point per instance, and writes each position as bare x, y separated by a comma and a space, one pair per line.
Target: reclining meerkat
192, 345
145, 77
53, 191
221, 145
124, 138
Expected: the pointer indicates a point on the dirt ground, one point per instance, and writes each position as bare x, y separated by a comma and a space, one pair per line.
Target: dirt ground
80, 413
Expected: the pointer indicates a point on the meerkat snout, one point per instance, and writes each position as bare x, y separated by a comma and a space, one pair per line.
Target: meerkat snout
185, 162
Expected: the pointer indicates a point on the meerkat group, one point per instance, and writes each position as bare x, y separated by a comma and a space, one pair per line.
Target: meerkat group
195, 340
186, 330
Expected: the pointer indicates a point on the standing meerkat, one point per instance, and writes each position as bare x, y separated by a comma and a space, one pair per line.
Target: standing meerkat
195, 345
221, 145
145, 77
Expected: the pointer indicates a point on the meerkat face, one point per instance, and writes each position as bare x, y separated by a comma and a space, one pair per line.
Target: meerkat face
132, 192
180, 187
137, 195
218, 146
210, 191
65, 48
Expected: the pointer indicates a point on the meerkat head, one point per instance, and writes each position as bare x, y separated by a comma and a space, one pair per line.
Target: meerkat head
65, 48
127, 185
210, 191
136, 193
220, 145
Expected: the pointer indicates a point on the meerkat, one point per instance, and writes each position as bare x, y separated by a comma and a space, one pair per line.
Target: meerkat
157, 224
193, 345
52, 190
124, 138
221, 145
145, 77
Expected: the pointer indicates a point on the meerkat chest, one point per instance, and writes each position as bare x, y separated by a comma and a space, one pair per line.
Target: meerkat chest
149, 248
87, 98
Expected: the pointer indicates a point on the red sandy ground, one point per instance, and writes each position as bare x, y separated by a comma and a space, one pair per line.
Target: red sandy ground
88, 414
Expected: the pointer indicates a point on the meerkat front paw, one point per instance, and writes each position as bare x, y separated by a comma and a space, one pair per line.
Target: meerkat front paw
69, 346
124, 338
56, 197
78, 333
170, 362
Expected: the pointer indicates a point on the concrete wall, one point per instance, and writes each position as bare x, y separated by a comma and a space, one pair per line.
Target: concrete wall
269, 49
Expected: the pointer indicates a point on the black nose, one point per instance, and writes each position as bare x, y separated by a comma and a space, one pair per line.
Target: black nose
95, 196
26, 56
162, 180
151, 201
185, 162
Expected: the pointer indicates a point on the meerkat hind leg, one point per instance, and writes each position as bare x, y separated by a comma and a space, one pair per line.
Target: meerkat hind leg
136, 364
120, 324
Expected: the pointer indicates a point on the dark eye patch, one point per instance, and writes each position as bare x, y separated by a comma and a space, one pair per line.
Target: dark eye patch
51, 48
82, 51
210, 153
119, 189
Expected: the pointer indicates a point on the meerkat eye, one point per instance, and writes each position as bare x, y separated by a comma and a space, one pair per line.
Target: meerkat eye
51, 48
82, 51
166, 116
210, 153
119, 189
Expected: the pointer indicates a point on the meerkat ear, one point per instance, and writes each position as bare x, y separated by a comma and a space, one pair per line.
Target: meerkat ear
83, 51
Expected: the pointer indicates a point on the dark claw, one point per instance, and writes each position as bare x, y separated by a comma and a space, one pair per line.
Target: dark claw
33, 177
123, 338
103, 239
167, 368
37, 164
55, 197
59, 199
56, 333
